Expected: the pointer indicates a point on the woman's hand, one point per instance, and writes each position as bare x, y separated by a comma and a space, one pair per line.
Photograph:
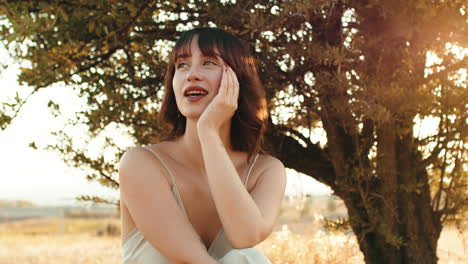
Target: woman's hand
223, 105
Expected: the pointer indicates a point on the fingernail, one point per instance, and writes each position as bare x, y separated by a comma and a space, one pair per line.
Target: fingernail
225, 67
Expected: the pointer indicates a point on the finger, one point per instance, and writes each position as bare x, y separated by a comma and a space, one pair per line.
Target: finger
228, 82
234, 88
224, 82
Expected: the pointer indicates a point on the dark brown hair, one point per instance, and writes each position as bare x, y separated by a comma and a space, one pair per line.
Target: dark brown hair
249, 121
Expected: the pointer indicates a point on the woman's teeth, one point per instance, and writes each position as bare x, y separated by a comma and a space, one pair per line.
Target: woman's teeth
193, 94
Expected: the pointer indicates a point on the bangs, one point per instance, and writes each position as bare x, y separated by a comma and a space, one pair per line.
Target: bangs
210, 44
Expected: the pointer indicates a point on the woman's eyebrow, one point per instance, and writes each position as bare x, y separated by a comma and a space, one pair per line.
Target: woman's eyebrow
214, 56
182, 56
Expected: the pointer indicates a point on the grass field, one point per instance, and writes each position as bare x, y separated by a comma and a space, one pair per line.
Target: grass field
54, 241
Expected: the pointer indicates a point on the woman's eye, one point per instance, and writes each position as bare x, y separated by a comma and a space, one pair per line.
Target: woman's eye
208, 62
180, 65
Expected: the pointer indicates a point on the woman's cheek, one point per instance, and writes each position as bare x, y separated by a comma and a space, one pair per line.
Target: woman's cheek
176, 84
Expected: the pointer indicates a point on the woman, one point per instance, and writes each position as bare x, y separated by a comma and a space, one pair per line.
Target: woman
206, 194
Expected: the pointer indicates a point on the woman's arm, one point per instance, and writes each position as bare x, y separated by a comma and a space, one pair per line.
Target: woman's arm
248, 219
147, 195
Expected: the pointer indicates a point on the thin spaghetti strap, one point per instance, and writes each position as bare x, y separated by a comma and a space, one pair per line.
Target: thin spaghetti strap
174, 186
250, 170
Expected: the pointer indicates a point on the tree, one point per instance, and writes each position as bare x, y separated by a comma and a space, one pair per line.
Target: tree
359, 70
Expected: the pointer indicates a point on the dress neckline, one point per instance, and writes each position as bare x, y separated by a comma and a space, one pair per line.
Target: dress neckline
179, 197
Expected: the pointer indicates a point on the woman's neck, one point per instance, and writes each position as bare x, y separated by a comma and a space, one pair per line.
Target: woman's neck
191, 144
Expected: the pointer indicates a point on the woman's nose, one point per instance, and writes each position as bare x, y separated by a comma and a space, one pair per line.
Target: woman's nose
193, 74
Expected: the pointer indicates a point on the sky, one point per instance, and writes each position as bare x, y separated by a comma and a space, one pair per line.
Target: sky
41, 176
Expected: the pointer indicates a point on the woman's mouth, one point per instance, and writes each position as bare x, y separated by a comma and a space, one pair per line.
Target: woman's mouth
194, 98
195, 93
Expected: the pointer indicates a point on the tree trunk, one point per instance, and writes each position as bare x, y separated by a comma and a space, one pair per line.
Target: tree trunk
395, 222
421, 236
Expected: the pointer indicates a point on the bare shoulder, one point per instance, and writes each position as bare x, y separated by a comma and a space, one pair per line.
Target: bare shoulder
133, 157
268, 169
139, 162
267, 162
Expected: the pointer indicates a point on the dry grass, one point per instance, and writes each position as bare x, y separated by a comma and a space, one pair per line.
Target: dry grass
54, 241
286, 247
72, 241
55, 249
55, 226
315, 246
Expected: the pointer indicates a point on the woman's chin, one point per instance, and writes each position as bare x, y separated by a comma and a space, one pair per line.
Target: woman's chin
193, 115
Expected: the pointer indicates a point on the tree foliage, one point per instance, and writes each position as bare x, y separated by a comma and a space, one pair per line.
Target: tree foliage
367, 73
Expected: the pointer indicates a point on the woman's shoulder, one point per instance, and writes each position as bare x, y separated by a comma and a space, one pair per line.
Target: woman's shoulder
267, 159
142, 159
135, 154
135, 157
151, 150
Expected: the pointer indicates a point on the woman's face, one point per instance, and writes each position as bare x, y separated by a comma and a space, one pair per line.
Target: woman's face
196, 81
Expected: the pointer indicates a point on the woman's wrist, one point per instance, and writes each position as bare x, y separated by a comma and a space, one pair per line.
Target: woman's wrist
207, 134
204, 129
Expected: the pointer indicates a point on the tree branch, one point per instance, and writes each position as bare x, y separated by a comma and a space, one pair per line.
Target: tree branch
310, 160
